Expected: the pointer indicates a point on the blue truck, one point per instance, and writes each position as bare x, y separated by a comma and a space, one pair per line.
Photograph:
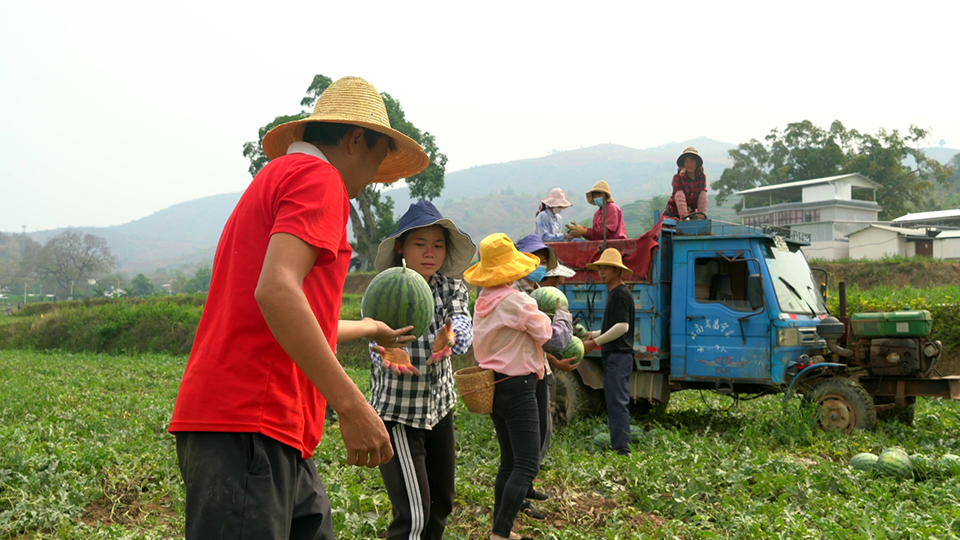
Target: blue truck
736, 309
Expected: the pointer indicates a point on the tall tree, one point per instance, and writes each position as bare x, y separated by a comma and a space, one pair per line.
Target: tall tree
371, 214
141, 286
71, 257
804, 151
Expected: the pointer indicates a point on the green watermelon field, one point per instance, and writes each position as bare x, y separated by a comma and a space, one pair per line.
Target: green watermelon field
84, 454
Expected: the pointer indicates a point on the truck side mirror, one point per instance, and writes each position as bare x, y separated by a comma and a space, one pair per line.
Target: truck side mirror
755, 291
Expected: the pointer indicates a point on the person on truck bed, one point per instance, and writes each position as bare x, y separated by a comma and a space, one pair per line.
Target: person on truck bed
689, 186
616, 354
549, 225
600, 196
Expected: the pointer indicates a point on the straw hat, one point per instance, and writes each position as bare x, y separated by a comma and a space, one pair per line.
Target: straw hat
500, 263
424, 214
557, 199
692, 152
609, 257
602, 187
352, 100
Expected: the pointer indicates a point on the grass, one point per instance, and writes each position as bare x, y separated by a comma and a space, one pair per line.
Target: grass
86, 456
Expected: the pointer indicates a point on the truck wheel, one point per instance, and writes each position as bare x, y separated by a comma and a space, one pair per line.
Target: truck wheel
904, 414
642, 407
844, 405
572, 399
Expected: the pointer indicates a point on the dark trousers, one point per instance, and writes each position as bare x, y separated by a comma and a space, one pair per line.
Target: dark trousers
247, 486
420, 479
516, 419
617, 367
546, 418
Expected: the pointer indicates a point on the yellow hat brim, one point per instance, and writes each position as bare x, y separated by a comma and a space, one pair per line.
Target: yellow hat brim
484, 276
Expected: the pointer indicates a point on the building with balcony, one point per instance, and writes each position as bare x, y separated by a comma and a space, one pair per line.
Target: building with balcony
828, 209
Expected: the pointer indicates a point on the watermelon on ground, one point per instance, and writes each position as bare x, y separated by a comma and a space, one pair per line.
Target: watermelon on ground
573, 350
399, 297
895, 462
602, 440
636, 432
864, 461
922, 465
547, 298
951, 463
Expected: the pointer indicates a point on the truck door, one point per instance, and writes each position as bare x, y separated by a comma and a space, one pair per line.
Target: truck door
722, 338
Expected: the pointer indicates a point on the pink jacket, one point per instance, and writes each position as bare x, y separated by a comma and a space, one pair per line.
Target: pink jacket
509, 332
615, 227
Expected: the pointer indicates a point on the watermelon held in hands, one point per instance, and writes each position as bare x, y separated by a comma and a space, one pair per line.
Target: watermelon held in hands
573, 350
864, 461
399, 297
895, 462
547, 299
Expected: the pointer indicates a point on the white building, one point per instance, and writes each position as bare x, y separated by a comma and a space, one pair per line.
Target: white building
878, 241
828, 209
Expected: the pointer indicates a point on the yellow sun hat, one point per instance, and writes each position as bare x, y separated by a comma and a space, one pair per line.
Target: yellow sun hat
500, 263
609, 257
352, 100
602, 187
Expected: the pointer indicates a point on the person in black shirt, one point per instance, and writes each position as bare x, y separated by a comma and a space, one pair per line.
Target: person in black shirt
616, 338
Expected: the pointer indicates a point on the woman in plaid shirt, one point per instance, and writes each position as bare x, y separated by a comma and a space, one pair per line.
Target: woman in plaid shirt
689, 186
413, 389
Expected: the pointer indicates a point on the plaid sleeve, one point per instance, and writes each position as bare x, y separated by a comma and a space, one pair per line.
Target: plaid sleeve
463, 330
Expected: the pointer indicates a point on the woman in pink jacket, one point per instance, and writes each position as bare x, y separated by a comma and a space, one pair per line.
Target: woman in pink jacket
508, 336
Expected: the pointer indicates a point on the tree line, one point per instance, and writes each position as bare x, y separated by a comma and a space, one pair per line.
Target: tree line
76, 264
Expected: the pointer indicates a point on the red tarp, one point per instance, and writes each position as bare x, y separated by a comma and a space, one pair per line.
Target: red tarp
637, 254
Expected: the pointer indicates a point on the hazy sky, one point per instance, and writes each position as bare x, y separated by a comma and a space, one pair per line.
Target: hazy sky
110, 111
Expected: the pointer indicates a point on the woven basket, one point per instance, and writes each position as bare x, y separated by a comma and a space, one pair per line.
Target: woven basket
475, 385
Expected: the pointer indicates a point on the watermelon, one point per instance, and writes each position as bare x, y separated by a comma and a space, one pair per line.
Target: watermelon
922, 465
580, 331
864, 461
950, 463
547, 299
602, 440
573, 350
895, 462
399, 297
636, 432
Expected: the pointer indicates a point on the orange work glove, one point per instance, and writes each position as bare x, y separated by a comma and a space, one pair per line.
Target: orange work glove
443, 344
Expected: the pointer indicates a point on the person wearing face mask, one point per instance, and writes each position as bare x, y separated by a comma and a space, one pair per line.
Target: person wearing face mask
689, 186
608, 216
549, 222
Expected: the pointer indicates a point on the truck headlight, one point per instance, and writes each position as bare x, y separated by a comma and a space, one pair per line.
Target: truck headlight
788, 337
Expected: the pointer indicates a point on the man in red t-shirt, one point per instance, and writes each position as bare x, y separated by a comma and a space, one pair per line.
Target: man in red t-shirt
250, 409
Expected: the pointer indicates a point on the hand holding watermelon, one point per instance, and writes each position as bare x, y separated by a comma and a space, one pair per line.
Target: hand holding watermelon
443, 344
589, 345
396, 360
566, 364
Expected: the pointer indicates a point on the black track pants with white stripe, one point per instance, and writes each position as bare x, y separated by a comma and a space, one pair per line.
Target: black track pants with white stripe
420, 479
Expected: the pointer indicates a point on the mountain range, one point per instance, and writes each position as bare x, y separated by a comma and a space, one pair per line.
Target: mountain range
499, 197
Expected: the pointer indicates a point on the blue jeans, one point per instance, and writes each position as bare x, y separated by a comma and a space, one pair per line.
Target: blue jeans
617, 368
517, 422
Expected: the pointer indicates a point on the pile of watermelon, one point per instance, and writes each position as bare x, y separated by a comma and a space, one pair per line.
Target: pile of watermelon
896, 463
399, 297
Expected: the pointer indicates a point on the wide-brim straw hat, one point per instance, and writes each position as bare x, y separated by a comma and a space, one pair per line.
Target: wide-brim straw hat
425, 214
602, 187
532, 243
609, 257
556, 199
692, 152
352, 100
500, 263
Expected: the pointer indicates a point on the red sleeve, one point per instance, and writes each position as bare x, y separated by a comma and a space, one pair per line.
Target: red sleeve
311, 204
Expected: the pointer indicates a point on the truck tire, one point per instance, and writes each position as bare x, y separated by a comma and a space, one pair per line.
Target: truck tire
642, 407
904, 414
844, 405
572, 399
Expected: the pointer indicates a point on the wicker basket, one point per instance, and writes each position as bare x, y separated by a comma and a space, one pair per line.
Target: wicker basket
475, 385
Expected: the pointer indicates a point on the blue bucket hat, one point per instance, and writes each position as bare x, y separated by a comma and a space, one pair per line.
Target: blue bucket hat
533, 243
424, 214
